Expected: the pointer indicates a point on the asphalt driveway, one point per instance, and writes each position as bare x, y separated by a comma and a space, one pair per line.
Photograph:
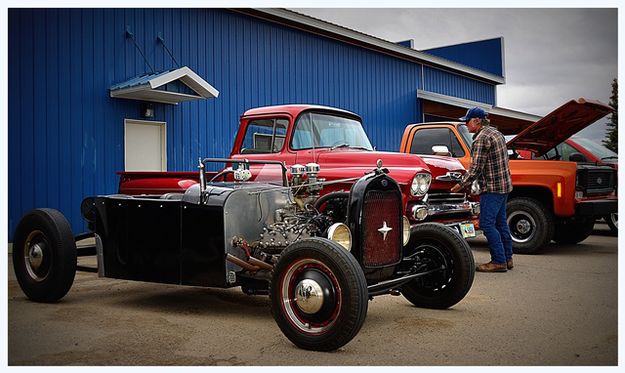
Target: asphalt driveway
558, 308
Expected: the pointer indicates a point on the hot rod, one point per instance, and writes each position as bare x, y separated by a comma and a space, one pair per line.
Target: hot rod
320, 258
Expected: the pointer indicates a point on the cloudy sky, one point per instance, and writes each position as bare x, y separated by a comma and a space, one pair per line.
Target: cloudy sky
551, 55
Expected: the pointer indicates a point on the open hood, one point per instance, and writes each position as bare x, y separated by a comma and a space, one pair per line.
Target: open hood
559, 125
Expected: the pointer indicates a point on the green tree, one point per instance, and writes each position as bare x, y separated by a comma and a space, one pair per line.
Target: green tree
611, 136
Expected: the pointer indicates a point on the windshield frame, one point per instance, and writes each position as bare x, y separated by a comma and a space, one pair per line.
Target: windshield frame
316, 135
467, 137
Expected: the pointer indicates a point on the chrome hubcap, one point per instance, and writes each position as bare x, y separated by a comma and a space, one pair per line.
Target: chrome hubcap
309, 296
35, 258
522, 226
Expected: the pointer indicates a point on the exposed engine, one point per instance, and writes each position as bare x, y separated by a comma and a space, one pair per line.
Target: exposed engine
301, 219
307, 215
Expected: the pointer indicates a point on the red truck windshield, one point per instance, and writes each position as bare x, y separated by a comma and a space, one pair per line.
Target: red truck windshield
597, 149
316, 130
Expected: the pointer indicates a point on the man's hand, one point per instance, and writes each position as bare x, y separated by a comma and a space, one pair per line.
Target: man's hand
456, 188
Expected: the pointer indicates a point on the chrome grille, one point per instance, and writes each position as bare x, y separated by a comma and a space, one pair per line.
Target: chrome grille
445, 197
381, 210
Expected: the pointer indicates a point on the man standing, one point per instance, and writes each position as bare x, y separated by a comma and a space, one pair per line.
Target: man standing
489, 166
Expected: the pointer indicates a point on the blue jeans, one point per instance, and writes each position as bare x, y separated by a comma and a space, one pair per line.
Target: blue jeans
495, 227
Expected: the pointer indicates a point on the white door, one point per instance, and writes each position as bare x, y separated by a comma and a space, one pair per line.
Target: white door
145, 145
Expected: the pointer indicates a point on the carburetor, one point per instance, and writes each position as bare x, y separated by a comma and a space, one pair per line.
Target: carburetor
306, 184
305, 177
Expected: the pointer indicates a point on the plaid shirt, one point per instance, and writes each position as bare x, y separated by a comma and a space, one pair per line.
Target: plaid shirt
489, 162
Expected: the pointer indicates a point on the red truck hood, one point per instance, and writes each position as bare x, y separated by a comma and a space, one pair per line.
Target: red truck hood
337, 163
559, 125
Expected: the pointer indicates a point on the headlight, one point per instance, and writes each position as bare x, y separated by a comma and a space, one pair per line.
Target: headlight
420, 184
340, 233
406, 230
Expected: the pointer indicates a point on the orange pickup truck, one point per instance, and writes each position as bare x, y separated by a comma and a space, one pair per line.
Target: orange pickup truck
552, 199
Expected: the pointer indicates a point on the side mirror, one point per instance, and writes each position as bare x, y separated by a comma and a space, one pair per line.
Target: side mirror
441, 150
577, 157
512, 154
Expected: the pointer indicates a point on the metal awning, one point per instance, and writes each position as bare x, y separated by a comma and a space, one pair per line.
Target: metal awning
509, 122
168, 87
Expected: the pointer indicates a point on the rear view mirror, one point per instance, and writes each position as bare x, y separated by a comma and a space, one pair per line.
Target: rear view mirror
440, 150
577, 157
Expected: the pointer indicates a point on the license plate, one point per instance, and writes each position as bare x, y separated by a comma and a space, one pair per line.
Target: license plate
467, 230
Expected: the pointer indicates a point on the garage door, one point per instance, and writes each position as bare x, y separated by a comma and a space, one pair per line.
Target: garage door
145, 145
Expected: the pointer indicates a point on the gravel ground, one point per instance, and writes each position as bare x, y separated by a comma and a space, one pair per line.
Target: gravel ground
558, 308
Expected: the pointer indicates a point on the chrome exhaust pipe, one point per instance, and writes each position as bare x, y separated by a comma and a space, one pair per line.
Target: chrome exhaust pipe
259, 263
242, 263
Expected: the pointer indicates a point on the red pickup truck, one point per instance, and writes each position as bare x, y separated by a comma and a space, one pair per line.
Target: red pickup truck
309, 136
552, 199
581, 150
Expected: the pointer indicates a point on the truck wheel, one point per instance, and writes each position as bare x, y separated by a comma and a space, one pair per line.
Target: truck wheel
44, 255
531, 225
318, 294
571, 231
435, 245
612, 221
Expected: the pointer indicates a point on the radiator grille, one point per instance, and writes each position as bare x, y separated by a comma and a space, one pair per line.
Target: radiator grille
382, 210
599, 180
439, 198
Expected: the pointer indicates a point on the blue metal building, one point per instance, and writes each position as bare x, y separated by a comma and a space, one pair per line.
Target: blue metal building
67, 134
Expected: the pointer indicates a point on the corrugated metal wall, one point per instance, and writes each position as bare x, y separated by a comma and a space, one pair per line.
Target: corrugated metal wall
447, 83
486, 55
66, 133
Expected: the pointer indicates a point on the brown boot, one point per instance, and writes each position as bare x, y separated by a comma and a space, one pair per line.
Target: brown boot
509, 264
492, 267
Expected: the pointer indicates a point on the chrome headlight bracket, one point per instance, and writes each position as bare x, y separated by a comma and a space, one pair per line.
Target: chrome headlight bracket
420, 184
340, 233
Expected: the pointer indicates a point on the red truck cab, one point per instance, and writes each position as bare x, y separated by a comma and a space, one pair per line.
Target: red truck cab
335, 139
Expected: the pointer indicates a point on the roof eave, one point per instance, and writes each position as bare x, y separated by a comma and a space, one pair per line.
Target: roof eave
460, 102
301, 21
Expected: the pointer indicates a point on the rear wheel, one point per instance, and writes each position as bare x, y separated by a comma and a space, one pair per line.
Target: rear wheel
435, 246
318, 295
531, 225
572, 231
44, 255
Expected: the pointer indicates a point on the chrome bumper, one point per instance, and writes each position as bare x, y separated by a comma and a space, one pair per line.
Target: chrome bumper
420, 212
472, 208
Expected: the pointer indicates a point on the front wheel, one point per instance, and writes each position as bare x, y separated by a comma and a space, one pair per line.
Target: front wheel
436, 246
44, 255
612, 220
318, 295
531, 225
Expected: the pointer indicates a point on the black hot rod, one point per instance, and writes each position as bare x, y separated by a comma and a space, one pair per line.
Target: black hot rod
320, 259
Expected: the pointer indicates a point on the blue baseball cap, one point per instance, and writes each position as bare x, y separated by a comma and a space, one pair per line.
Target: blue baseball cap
475, 112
